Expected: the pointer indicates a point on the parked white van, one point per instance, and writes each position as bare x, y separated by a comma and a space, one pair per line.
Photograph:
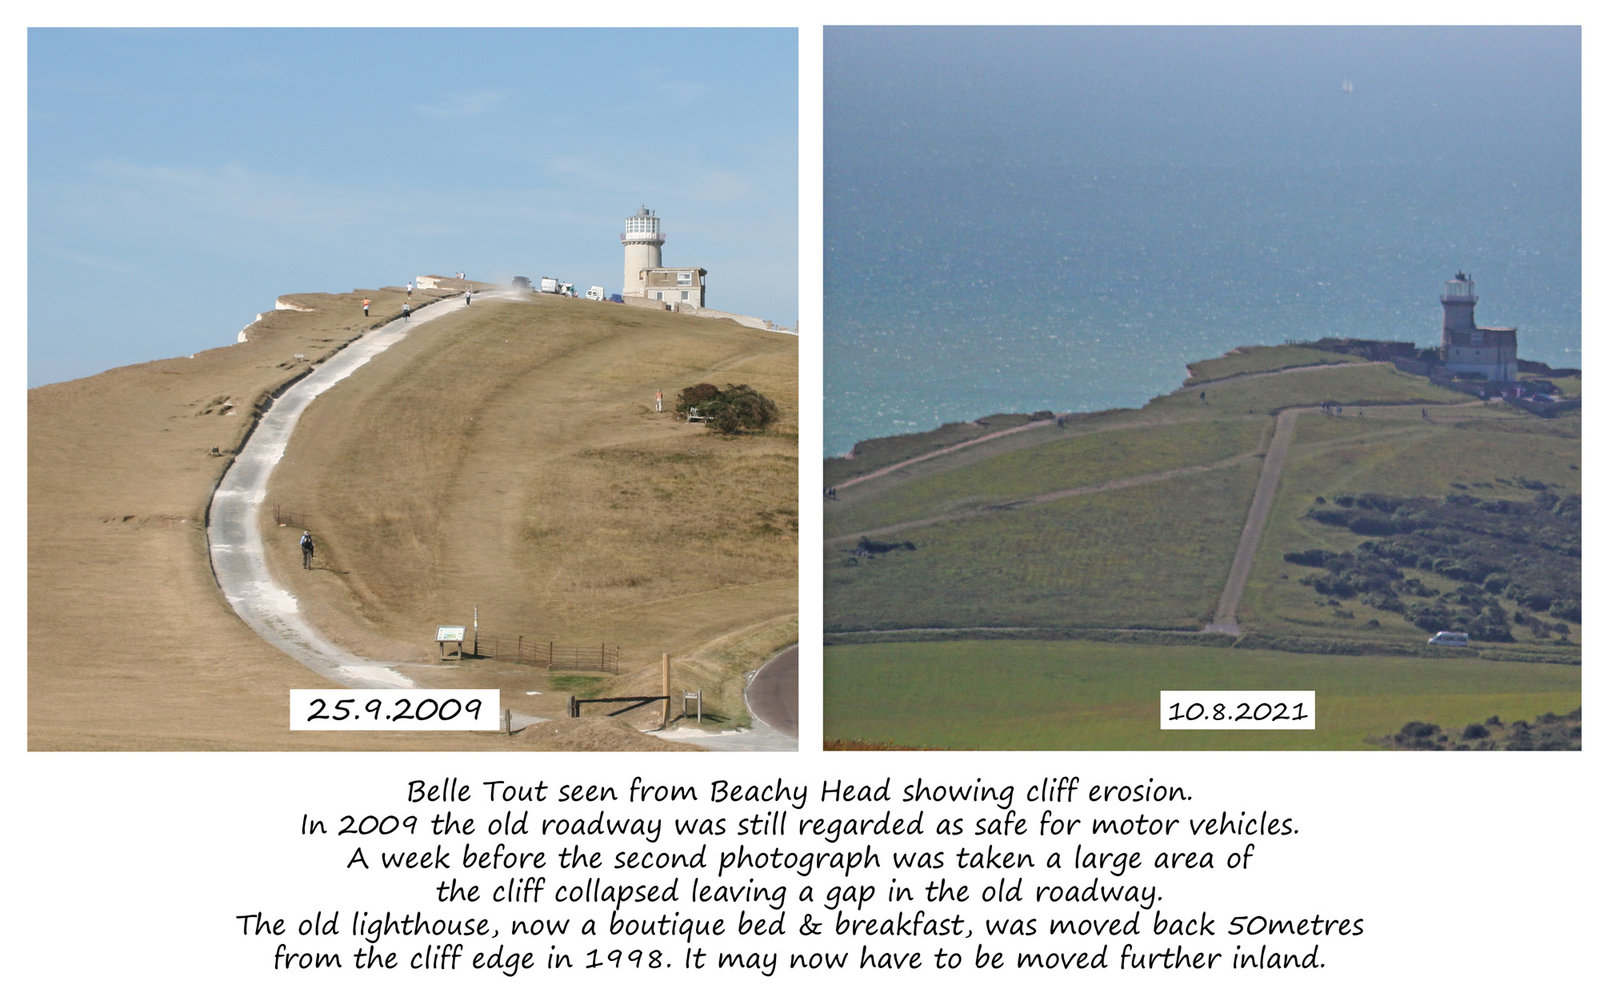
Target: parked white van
1448, 639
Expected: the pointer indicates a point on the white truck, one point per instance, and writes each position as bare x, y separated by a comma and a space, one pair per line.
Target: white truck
556, 286
596, 293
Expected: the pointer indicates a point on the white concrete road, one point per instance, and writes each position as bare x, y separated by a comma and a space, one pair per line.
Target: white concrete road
237, 555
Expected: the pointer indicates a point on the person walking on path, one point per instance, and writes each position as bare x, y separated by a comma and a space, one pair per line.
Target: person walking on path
366, 308
307, 548
658, 399
469, 298
405, 309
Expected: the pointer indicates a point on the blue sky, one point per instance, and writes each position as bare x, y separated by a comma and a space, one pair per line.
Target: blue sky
179, 180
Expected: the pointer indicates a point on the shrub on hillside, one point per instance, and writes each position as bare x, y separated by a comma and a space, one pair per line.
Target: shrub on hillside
867, 546
736, 408
1525, 553
694, 397
1316, 557
1418, 736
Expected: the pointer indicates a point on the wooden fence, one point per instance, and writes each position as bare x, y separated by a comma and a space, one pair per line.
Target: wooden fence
520, 649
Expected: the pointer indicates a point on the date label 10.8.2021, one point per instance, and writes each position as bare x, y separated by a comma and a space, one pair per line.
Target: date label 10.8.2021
1238, 710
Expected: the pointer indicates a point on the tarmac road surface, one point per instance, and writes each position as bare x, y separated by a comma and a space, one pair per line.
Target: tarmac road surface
774, 692
773, 697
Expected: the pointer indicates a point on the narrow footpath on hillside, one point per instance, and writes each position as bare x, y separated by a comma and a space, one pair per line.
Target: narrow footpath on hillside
1255, 521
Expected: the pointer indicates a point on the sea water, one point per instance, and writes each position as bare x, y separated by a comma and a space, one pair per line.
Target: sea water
1062, 219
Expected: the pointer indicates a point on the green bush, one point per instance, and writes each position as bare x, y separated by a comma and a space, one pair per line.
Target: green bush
736, 408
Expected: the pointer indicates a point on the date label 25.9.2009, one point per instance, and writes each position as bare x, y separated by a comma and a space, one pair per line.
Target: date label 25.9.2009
418, 708
1238, 710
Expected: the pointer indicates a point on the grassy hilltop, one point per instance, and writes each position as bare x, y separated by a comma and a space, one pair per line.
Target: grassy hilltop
1106, 542
505, 456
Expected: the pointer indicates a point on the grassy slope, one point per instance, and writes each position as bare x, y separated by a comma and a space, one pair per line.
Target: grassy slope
1073, 562
870, 455
1155, 555
509, 457
1263, 359
1395, 455
1064, 461
130, 645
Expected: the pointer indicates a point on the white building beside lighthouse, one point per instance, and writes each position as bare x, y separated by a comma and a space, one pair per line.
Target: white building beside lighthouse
644, 277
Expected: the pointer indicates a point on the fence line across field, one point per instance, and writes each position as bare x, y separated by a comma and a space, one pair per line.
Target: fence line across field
603, 657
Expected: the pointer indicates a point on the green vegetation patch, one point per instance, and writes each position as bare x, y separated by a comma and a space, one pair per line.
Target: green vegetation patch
1070, 462
870, 455
1528, 553
1152, 555
582, 685
737, 408
1264, 359
1547, 732
1352, 386
1095, 696
1498, 454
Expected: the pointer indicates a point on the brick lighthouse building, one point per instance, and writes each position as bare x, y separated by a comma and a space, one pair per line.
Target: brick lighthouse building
1469, 351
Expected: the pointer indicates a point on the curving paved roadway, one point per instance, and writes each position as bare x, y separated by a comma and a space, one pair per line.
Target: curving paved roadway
773, 694
238, 558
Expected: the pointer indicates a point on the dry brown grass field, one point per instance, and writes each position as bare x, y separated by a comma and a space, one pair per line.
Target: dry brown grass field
506, 456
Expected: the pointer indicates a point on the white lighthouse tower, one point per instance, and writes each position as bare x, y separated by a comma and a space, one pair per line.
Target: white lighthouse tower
641, 250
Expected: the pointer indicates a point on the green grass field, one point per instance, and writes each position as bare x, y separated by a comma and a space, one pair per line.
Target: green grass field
1077, 561
869, 455
1069, 461
1353, 386
996, 695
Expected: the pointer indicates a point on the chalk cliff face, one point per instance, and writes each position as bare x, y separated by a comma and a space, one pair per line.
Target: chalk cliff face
281, 304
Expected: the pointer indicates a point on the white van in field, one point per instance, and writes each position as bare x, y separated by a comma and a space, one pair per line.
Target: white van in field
1448, 639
